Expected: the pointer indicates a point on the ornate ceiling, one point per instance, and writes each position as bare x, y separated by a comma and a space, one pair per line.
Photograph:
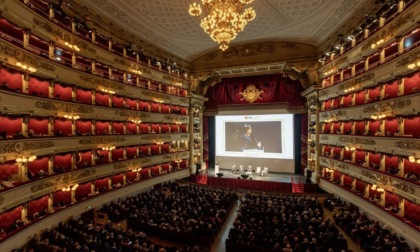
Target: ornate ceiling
167, 24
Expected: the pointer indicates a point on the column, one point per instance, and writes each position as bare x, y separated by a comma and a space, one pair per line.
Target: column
51, 89
73, 93
25, 122
93, 97
51, 48
366, 33
93, 31
381, 55
26, 34
50, 125
51, 12
382, 163
73, 160
74, 60
50, 169
110, 44
353, 70
125, 76
25, 83
73, 26
23, 167
110, 76
401, 5
93, 67
73, 127
93, 127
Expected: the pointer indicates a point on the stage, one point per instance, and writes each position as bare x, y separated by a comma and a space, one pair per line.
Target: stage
273, 182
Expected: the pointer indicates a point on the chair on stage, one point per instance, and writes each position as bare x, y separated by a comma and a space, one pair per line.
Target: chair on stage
258, 171
241, 169
264, 171
234, 168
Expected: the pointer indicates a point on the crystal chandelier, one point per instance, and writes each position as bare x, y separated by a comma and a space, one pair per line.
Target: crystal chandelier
223, 19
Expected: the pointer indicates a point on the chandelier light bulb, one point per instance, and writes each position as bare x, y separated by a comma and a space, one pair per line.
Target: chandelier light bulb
223, 19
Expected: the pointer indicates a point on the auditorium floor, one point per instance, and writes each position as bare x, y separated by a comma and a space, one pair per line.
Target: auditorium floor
270, 176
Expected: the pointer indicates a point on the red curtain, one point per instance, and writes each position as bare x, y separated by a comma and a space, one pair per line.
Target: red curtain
102, 128
102, 184
391, 126
62, 162
84, 96
62, 197
11, 79
391, 199
412, 84
11, 125
117, 102
8, 169
118, 154
83, 191
391, 161
118, 179
84, 127
143, 106
412, 126
250, 184
117, 128
38, 87
164, 109
101, 99
131, 152
131, 128
37, 205
276, 87
144, 149
412, 212
8, 218
391, 89
144, 128
347, 100
62, 127
62, 92
38, 164
131, 104
38, 125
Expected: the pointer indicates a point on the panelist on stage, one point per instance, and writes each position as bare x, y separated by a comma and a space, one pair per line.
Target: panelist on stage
247, 140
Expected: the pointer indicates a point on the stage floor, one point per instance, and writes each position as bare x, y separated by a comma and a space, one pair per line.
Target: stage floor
271, 176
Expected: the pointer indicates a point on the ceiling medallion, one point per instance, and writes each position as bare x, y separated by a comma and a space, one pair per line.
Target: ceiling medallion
223, 19
251, 94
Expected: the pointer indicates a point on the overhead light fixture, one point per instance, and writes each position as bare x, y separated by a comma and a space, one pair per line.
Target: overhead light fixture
223, 19
26, 67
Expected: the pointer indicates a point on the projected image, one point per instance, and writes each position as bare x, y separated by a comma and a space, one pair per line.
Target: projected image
256, 136
246, 136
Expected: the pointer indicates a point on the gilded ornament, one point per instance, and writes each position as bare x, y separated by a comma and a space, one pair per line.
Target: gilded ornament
64, 107
11, 147
251, 94
387, 106
125, 113
102, 140
357, 140
408, 145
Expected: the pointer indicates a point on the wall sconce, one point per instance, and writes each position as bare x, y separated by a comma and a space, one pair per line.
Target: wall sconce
26, 67
135, 71
329, 72
380, 116
349, 89
376, 44
136, 169
379, 189
178, 84
107, 91
108, 148
136, 121
350, 148
159, 142
66, 189
414, 65
25, 159
329, 169
157, 100
71, 117
71, 46
412, 159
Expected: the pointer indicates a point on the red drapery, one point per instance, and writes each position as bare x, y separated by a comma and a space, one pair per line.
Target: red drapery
276, 87
250, 184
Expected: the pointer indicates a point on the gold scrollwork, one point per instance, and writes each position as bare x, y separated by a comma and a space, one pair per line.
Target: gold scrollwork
63, 107
134, 114
1, 200
101, 82
324, 138
357, 140
251, 94
102, 140
387, 106
408, 145
46, 26
24, 146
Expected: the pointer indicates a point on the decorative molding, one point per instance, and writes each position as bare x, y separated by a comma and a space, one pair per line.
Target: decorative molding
410, 58
125, 113
251, 94
387, 106
152, 94
356, 81
335, 113
64, 107
155, 137
102, 140
385, 180
184, 136
132, 163
324, 92
46, 26
84, 46
324, 138
101, 82
25, 146
62, 179
356, 140
408, 145
175, 118
24, 57
1, 200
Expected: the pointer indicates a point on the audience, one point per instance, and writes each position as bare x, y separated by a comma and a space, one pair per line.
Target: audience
283, 223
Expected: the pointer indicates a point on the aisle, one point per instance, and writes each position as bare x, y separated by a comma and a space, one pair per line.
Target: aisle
219, 242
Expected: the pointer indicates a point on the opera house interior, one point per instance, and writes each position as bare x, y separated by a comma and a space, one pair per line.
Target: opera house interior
212, 125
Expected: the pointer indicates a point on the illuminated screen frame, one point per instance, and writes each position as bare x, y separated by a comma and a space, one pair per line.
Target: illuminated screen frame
285, 135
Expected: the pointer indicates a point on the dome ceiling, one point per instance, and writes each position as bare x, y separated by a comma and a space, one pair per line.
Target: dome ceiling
167, 24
